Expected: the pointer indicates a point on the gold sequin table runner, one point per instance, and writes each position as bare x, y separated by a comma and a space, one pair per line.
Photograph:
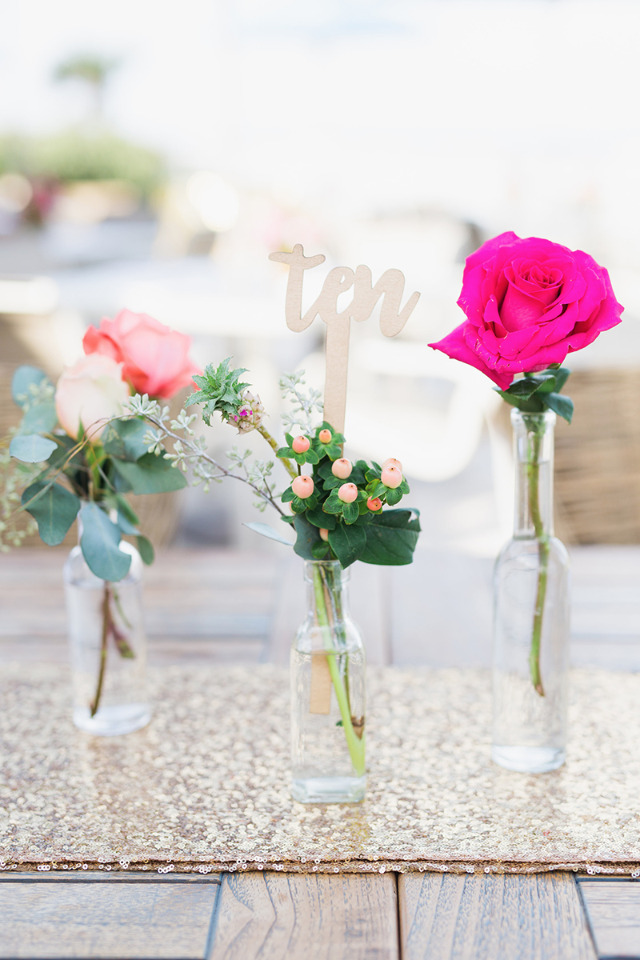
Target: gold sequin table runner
205, 786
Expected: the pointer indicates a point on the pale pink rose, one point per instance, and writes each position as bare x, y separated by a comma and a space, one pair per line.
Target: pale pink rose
155, 358
528, 304
88, 394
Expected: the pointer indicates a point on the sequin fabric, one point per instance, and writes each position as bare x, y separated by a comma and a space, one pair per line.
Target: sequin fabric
205, 786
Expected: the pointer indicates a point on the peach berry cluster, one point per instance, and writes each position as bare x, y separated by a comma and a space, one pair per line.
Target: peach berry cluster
338, 489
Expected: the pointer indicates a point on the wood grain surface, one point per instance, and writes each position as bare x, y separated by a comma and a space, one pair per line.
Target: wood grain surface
273, 916
536, 917
122, 920
613, 908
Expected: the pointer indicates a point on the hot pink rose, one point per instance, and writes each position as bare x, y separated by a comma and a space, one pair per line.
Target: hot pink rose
154, 357
88, 394
528, 304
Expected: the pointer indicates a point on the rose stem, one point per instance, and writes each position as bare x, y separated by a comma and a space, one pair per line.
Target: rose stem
354, 742
95, 703
533, 470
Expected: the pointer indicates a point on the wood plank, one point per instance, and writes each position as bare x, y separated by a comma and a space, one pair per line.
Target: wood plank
307, 916
613, 908
463, 917
89, 918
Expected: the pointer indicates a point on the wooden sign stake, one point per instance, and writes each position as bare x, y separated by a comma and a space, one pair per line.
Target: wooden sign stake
390, 287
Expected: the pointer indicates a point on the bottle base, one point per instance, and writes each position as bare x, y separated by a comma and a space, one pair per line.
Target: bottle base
528, 759
328, 789
113, 721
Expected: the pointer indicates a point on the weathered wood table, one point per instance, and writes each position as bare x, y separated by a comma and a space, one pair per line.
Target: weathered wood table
231, 608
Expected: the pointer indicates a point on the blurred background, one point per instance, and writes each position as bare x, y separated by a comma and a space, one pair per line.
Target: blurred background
152, 157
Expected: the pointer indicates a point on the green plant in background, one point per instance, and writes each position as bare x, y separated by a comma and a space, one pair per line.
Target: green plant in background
72, 156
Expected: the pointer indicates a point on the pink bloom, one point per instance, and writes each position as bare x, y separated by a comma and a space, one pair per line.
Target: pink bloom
528, 303
88, 394
154, 357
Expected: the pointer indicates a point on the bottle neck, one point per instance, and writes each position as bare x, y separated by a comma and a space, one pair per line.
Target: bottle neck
327, 590
533, 454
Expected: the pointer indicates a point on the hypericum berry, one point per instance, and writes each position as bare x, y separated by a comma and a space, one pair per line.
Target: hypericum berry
324, 436
348, 492
300, 444
302, 486
391, 477
374, 503
341, 468
392, 462
324, 533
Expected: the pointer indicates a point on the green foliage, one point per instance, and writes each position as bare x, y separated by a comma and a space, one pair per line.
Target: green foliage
71, 156
220, 391
100, 542
31, 448
53, 508
87, 478
354, 531
537, 392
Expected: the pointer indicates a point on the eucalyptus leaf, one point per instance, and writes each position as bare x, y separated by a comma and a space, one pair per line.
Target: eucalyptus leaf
100, 544
31, 448
266, 531
145, 549
125, 439
150, 474
23, 379
41, 418
53, 508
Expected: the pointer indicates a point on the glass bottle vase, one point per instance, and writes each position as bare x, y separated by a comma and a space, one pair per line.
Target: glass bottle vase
107, 645
327, 694
531, 614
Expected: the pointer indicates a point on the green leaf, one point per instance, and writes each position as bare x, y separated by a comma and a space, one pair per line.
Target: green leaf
350, 512
525, 388
394, 496
145, 549
561, 405
31, 448
562, 375
220, 390
125, 439
533, 405
348, 542
391, 538
100, 544
266, 531
150, 474
125, 510
321, 550
53, 508
319, 518
307, 537
24, 378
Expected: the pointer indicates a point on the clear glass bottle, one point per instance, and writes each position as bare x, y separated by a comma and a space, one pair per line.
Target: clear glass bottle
327, 694
107, 647
531, 614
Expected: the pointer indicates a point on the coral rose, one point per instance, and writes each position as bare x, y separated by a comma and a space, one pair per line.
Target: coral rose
155, 358
88, 394
528, 303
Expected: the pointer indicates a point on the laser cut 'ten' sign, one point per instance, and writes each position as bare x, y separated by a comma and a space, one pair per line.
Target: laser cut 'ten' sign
393, 317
